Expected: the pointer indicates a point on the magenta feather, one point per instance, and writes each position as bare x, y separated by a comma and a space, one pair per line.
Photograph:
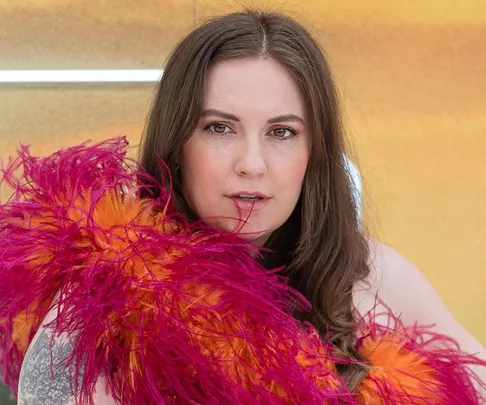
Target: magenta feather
430, 367
99, 301
172, 312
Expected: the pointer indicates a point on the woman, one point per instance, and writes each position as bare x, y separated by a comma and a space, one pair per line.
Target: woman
257, 112
246, 118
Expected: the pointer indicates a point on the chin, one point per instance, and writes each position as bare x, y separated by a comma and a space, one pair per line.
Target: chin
258, 237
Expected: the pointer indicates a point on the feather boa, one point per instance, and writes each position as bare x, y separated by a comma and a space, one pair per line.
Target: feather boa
175, 313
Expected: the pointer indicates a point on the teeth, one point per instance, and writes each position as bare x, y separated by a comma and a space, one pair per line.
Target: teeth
248, 197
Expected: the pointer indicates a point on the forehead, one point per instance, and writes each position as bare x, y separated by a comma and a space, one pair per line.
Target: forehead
253, 86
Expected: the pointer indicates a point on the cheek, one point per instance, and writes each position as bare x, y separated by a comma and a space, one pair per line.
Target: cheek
301, 167
201, 171
291, 171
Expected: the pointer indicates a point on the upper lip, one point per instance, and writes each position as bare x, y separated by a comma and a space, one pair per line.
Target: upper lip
251, 193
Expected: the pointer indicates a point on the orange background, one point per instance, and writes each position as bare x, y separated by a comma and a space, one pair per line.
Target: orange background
412, 78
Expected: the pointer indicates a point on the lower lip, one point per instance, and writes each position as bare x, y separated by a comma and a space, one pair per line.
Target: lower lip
246, 205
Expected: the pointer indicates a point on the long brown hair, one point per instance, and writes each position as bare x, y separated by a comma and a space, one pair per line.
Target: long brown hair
321, 246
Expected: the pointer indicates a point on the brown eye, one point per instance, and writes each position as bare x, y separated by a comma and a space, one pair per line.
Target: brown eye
218, 128
283, 132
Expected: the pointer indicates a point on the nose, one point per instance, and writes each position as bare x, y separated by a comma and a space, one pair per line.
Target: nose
250, 160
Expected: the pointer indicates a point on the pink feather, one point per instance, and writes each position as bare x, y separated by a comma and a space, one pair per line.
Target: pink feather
100, 302
172, 312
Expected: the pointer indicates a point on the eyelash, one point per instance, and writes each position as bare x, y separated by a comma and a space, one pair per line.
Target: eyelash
286, 138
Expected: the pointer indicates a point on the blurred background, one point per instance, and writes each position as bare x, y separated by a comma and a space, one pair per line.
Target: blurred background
413, 84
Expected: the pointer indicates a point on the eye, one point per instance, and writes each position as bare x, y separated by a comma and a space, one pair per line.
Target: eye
218, 128
283, 132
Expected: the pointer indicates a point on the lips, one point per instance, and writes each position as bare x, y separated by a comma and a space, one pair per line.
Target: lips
250, 200
250, 195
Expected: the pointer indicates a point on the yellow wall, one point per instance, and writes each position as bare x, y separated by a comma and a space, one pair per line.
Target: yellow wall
412, 78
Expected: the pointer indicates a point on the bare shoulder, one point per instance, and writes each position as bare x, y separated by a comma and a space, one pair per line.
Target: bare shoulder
399, 283
408, 293
44, 377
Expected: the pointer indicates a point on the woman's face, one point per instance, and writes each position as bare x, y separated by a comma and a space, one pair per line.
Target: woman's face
248, 155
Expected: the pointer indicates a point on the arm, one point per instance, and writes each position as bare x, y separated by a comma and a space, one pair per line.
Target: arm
39, 386
390, 274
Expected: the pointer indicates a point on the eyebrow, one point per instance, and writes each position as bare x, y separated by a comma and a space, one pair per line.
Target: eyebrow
231, 117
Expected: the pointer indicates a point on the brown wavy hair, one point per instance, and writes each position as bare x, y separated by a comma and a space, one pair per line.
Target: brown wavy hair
321, 246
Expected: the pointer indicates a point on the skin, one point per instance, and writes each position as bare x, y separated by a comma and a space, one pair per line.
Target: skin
251, 136
37, 386
261, 89
247, 153
421, 304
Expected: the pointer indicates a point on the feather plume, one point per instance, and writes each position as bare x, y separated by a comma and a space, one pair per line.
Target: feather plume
414, 365
170, 312
173, 312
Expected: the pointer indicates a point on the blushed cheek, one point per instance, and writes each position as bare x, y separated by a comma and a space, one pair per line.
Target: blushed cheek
295, 170
201, 173
301, 166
